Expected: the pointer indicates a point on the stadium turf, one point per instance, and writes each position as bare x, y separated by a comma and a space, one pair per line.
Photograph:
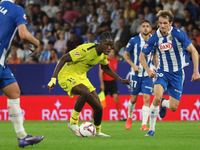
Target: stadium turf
168, 136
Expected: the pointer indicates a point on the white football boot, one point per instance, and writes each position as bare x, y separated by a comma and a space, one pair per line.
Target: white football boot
75, 129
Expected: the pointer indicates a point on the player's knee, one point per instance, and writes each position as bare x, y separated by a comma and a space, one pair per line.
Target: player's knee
157, 99
15, 94
173, 108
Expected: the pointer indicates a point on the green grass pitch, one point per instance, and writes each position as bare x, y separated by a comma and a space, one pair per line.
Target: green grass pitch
168, 136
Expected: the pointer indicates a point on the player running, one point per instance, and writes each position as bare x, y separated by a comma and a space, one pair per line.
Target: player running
171, 43
13, 18
71, 73
140, 81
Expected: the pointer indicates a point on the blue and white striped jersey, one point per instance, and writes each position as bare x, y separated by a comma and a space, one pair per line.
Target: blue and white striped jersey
170, 49
11, 16
134, 47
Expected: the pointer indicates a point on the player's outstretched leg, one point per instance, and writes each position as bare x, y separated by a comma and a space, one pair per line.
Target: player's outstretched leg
163, 110
29, 140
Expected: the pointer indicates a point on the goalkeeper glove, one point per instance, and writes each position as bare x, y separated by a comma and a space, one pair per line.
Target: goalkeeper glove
52, 82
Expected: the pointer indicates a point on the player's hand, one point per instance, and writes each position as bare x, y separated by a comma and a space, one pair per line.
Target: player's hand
36, 50
136, 68
151, 73
195, 77
51, 84
125, 81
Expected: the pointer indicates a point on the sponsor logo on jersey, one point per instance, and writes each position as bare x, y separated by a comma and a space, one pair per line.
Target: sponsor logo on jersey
77, 54
165, 46
145, 46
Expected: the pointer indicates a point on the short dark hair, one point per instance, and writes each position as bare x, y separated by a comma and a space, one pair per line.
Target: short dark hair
106, 36
145, 21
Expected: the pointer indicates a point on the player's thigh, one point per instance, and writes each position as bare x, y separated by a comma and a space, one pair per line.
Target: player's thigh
135, 86
12, 90
158, 93
8, 83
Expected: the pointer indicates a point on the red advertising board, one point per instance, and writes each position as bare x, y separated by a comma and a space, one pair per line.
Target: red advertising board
61, 107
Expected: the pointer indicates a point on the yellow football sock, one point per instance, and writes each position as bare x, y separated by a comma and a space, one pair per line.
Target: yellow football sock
74, 117
98, 128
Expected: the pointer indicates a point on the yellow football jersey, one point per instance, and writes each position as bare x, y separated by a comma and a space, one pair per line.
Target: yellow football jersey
84, 57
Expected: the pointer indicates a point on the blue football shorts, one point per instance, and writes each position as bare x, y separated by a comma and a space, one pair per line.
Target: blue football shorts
6, 76
141, 84
172, 81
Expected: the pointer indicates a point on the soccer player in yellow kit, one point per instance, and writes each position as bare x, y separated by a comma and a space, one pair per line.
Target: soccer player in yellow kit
71, 72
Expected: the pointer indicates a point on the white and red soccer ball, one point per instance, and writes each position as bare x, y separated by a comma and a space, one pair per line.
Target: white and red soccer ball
87, 129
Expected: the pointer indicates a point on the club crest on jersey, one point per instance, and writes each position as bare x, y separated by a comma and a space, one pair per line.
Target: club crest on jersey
165, 46
145, 46
170, 37
77, 54
131, 89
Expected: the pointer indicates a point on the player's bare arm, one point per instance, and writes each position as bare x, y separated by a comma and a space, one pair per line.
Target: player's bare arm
127, 58
142, 60
65, 58
111, 73
26, 35
155, 59
195, 59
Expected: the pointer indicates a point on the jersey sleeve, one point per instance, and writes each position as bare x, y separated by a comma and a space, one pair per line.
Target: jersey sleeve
104, 61
20, 16
149, 46
130, 45
185, 41
78, 54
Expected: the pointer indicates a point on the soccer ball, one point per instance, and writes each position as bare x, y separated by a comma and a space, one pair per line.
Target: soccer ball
87, 129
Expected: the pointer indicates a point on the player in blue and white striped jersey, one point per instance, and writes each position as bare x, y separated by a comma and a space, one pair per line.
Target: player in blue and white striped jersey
171, 43
13, 18
140, 81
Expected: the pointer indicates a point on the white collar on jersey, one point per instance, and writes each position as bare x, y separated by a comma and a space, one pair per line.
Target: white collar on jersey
8, 0
160, 35
140, 35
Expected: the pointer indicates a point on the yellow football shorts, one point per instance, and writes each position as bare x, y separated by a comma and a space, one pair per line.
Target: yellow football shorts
67, 82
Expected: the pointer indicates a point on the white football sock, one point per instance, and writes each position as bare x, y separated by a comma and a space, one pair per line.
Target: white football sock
16, 117
153, 116
165, 103
131, 107
145, 114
